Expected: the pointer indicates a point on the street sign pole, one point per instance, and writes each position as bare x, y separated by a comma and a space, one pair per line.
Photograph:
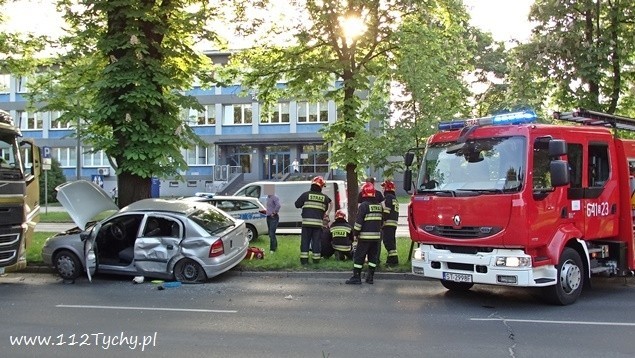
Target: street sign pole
46, 166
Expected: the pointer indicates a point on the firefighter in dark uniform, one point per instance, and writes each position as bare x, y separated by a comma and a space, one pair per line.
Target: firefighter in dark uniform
315, 208
391, 216
368, 231
340, 238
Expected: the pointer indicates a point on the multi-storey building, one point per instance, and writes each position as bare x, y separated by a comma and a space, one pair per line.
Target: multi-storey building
240, 141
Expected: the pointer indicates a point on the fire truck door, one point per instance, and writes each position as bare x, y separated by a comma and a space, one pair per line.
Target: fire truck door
600, 202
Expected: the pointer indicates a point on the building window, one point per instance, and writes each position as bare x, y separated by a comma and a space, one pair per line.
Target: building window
4, 83
66, 156
206, 117
237, 114
199, 155
95, 159
22, 85
312, 112
30, 120
315, 158
280, 114
57, 122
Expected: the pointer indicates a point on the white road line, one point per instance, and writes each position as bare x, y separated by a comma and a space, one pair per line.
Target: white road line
586, 323
146, 308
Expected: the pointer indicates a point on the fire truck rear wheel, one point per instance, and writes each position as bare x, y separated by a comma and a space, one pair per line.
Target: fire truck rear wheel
457, 286
570, 279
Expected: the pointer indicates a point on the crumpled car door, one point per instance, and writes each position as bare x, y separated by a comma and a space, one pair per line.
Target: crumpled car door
153, 250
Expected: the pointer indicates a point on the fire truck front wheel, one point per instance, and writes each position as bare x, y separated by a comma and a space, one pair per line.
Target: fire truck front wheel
456, 286
570, 279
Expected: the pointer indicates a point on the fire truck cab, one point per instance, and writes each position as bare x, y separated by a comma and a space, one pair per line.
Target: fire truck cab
502, 200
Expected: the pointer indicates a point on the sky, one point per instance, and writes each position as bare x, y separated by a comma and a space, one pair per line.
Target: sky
505, 19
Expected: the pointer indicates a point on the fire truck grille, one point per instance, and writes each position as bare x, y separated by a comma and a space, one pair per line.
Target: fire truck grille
472, 250
463, 232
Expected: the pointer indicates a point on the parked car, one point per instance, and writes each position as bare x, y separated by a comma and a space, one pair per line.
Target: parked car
240, 207
289, 191
170, 239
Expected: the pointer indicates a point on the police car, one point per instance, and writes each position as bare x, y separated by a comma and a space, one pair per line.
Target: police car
240, 207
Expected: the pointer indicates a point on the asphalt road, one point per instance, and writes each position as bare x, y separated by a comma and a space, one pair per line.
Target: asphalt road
274, 315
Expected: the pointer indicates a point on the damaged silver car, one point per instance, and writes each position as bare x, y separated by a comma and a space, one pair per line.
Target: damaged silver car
169, 239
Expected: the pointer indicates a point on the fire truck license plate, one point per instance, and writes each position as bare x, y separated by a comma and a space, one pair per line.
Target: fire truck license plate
457, 277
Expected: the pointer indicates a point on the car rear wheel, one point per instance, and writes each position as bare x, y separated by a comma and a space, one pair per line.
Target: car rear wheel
67, 265
457, 286
189, 271
251, 232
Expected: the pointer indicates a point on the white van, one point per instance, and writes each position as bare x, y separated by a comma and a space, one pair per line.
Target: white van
290, 191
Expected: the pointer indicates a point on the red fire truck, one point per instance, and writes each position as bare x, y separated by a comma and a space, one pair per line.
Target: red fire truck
502, 200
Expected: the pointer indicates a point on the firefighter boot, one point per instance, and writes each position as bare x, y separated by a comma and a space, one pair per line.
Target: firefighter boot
370, 275
356, 279
304, 261
392, 261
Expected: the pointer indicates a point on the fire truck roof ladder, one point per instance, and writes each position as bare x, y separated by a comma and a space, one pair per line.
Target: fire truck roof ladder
593, 118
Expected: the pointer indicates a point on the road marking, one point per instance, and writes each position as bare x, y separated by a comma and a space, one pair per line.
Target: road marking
587, 323
146, 308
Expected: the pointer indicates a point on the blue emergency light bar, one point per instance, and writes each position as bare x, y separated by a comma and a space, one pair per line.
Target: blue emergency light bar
523, 117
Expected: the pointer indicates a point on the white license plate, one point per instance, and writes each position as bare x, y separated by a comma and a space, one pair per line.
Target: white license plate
457, 277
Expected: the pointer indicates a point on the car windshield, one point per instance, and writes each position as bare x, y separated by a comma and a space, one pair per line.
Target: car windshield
211, 220
483, 166
9, 154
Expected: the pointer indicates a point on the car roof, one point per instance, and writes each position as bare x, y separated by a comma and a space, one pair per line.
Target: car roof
174, 206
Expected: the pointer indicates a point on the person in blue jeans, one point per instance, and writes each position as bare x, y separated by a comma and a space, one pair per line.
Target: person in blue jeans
273, 207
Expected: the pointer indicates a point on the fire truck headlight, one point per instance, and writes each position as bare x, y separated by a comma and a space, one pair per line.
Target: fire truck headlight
513, 261
419, 255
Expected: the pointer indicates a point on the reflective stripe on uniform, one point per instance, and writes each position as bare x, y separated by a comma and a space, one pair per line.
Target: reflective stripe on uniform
312, 222
369, 236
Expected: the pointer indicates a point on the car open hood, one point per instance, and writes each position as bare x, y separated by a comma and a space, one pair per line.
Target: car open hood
84, 200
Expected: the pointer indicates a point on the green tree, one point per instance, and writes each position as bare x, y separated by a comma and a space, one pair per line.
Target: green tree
120, 75
581, 54
322, 58
435, 52
49, 180
18, 50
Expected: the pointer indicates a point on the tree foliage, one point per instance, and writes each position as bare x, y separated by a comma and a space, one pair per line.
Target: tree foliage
320, 59
49, 180
580, 55
121, 72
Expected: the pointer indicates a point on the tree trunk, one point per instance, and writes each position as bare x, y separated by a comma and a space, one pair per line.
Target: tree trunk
352, 186
131, 188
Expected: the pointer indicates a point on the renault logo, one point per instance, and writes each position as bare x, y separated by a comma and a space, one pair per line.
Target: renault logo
457, 220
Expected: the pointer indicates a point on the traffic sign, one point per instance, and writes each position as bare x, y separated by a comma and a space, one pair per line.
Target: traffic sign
46, 152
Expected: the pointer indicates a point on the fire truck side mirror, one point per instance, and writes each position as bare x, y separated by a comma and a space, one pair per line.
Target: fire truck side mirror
559, 170
407, 180
409, 158
557, 147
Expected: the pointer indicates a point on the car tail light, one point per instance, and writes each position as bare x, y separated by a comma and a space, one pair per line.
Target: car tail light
216, 249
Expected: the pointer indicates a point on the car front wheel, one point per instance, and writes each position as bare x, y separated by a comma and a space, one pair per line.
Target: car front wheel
189, 271
570, 279
67, 265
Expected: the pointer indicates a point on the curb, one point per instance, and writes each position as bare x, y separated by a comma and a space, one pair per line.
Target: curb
272, 274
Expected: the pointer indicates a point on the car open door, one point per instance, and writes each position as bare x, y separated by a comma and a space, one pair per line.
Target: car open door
90, 258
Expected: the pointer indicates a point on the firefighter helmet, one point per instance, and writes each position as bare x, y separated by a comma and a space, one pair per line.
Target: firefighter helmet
388, 185
368, 190
340, 214
318, 180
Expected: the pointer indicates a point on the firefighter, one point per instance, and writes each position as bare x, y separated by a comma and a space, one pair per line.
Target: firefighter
316, 207
391, 216
367, 229
340, 237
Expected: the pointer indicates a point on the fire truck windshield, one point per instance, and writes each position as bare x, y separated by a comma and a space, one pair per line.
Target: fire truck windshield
480, 165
